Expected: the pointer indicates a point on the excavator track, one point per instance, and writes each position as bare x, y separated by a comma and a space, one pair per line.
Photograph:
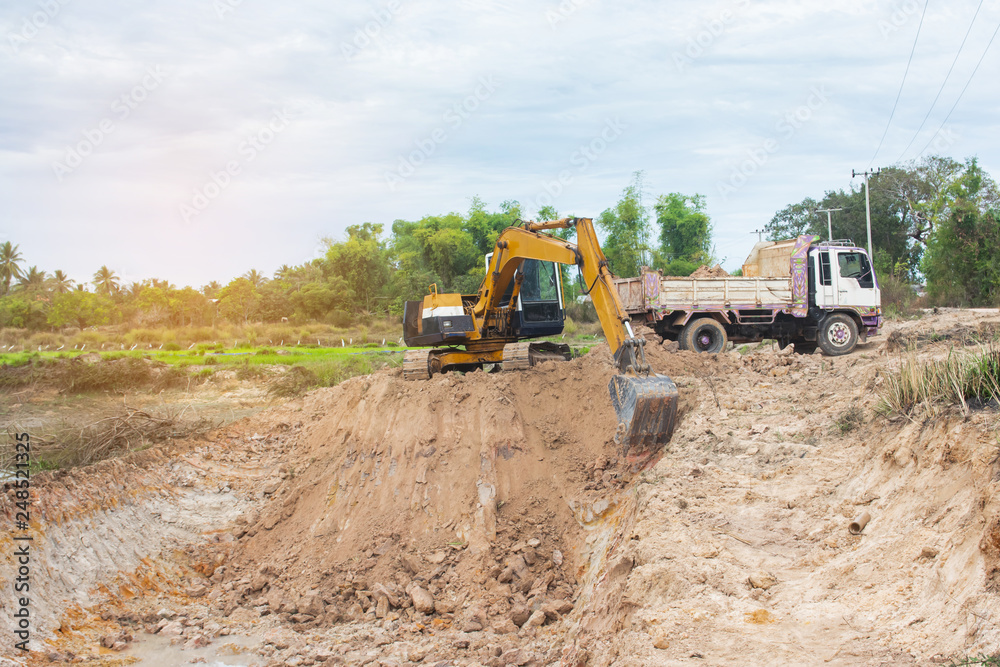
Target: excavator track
517, 356
416, 365
524, 355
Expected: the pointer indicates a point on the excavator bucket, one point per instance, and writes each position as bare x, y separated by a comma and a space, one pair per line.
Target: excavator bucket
647, 411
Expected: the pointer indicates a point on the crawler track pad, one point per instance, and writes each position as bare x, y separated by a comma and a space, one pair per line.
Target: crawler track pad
647, 411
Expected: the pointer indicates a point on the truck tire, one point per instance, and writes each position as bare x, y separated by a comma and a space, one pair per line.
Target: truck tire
838, 334
703, 335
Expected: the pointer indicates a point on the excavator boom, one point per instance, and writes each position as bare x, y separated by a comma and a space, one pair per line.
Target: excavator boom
645, 403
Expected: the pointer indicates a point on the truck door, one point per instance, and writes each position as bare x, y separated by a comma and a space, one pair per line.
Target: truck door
826, 290
855, 279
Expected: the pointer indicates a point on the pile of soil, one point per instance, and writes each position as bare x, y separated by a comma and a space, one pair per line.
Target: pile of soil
463, 498
705, 271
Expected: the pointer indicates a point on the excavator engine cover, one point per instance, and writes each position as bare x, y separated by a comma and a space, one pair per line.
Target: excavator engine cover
647, 411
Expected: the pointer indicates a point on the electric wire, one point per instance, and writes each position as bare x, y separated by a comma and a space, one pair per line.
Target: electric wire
946, 77
901, 84
971, 76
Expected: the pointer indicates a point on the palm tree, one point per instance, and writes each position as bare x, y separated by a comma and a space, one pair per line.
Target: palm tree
33, 280
134, 289
282, 272
105, 281
211, 289
255, 277
10, 260
61, 283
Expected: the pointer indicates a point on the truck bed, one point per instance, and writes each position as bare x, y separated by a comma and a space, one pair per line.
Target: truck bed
653, 292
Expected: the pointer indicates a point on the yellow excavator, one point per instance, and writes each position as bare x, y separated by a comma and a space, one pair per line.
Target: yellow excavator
521, 298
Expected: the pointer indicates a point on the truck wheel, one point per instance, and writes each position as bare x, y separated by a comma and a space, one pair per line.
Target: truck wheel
703, 335
838, 334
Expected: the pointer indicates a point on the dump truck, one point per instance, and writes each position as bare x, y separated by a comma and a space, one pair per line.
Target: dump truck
796, 291
520, 299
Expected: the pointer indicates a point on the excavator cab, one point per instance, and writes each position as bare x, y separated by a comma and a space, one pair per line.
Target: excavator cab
539, 309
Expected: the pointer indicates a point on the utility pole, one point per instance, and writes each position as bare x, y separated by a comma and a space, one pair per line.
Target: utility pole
829, 221
868, 204
759, 233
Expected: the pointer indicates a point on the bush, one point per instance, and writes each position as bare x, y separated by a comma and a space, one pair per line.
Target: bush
172, 347
297, 380
582, 312
898, 299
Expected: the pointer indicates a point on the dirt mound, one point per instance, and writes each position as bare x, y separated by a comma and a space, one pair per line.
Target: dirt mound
451, 497
705, 271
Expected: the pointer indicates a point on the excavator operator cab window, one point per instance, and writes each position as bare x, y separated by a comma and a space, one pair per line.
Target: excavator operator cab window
539, 296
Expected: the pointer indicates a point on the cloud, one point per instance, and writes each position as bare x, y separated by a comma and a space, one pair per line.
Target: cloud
749, 63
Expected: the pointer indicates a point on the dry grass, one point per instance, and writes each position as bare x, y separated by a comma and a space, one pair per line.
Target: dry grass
968, 379
120, 431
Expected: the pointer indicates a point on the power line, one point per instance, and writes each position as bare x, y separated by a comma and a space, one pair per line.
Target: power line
963, 90
901, 84
941, 89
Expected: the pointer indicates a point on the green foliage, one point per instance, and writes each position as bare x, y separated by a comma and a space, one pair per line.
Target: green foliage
361, 263
626, 228
81, 308
685, 229
962, 263
239, 300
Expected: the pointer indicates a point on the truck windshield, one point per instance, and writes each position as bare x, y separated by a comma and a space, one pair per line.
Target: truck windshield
856, 265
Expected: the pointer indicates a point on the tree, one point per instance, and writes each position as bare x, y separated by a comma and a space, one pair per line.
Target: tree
685, 233
32, 280
239, 300
627, 230
962, 263
106, 281
61, 283
255, 277
81, 308
362, 261
10, 264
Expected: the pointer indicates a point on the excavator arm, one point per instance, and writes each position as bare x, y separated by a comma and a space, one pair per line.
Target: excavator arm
646, 403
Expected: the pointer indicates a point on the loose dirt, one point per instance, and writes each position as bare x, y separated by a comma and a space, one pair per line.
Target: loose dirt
488, 519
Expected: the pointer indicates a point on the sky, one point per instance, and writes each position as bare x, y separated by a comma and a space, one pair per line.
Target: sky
194, 140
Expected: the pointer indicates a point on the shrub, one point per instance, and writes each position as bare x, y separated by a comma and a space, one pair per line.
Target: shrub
172, 347
582, 312
297, 380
